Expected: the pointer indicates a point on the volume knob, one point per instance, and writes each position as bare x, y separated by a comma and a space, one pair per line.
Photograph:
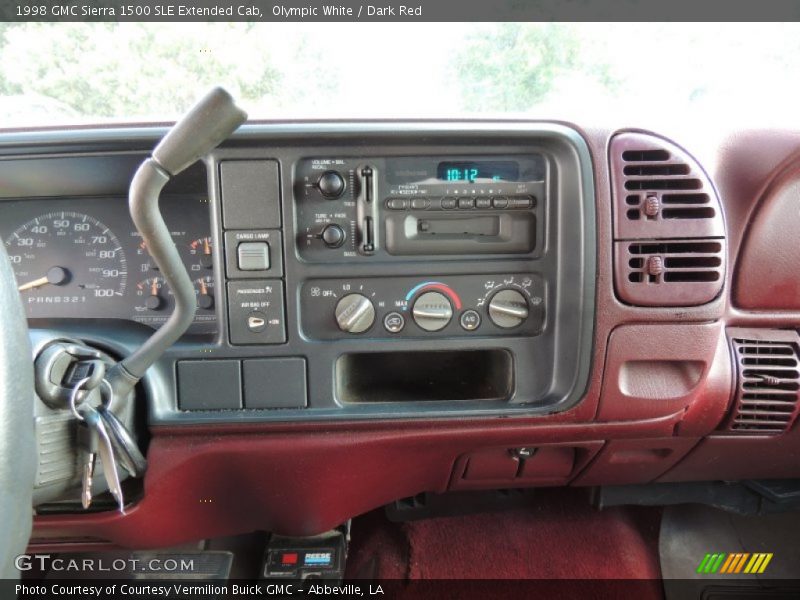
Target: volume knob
432, 311
508, 309
331, 184
355, 313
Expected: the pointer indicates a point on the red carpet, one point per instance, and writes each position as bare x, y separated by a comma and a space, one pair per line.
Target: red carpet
559, 537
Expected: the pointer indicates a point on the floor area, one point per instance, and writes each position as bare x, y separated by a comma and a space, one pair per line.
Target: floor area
558, 536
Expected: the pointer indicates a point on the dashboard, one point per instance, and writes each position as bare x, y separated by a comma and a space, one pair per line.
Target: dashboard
302, 256
404, 306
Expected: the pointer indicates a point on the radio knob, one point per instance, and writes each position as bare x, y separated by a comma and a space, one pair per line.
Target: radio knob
508, 309
355, 313
432, 311
331, 184
333, 236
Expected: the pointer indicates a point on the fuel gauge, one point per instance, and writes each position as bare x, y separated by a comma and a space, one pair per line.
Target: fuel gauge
200, 249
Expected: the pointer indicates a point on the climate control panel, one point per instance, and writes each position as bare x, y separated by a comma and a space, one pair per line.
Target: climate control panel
446, 306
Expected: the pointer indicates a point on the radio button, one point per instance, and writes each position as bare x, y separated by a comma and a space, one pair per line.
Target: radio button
466, 203
500, 202
520, 203
449, 202
397, 204
420, 203
483, 202
432, 311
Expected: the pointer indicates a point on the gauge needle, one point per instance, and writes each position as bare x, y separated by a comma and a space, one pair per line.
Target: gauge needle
55, 276
33, 284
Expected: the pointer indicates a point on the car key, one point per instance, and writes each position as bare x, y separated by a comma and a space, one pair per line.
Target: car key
125, 447
88, 443
107, 457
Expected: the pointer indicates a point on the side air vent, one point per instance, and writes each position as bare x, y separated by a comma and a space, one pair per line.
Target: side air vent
660, 191
768, 381
669, 272
669, 231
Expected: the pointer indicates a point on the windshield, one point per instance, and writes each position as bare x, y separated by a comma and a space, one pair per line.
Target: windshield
67, 73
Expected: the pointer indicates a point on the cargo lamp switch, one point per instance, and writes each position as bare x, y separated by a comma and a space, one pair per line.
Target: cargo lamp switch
253, 256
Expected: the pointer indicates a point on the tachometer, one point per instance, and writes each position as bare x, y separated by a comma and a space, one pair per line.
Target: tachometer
66, 258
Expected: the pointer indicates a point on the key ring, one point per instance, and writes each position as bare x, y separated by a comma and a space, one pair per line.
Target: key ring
110, 395
73, 398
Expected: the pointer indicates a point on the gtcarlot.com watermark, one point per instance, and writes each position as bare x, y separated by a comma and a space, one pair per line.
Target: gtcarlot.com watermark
130, 564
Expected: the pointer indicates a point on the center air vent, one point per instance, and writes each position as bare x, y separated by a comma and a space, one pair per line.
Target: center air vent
660, 191
669, 272
669, 231
768, 381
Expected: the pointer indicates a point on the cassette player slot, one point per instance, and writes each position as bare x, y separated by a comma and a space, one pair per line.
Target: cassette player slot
458, 227
502, 233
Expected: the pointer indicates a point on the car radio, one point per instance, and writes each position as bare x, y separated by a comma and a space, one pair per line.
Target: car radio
436, 207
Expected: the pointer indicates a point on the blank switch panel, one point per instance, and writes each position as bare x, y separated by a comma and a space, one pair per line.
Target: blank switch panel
275, 383
251, 194
209, 384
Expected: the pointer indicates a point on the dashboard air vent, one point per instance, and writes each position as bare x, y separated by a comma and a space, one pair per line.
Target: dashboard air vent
669, 272
768, 381
660, 191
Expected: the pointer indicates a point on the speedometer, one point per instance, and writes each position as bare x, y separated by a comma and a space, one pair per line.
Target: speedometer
66, 258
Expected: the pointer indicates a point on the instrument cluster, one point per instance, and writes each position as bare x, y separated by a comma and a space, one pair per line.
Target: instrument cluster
83, 258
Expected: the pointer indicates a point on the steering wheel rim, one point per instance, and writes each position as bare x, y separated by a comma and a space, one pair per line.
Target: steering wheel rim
17, 435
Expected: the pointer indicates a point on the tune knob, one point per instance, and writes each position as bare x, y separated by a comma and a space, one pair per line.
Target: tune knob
331, 184
432, 311
333, 235
355, 313
508, 308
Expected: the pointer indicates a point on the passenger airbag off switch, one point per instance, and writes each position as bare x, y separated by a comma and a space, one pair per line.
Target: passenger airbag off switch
253, 256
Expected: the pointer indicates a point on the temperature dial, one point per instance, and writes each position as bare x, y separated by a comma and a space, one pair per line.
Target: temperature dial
508, 309
432, 311
355, 313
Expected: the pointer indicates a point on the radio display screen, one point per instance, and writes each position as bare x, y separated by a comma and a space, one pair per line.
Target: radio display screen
471, 171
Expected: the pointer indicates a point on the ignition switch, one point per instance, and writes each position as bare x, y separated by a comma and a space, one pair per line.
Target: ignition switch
61, 364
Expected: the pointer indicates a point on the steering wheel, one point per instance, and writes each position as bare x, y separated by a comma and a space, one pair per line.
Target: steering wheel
17, 437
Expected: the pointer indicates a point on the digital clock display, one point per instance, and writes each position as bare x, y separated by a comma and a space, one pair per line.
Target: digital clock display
472, 171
